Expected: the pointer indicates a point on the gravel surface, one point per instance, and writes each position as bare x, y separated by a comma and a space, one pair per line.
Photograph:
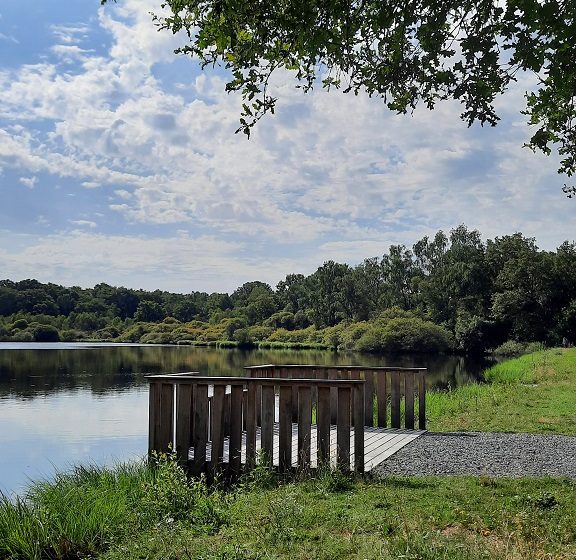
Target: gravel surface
479, 453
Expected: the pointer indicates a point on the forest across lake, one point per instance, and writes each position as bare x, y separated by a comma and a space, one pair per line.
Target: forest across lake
449, 293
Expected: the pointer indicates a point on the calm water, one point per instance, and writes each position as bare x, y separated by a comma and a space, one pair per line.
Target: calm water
64, 404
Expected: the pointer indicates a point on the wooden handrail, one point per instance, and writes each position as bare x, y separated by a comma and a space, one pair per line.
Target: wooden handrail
385, 386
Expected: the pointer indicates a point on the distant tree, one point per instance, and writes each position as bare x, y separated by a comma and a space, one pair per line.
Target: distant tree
149, 311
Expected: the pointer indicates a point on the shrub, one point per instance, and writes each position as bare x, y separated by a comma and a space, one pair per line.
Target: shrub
510, 348
23, 336
405, 335
46, 333
20, 324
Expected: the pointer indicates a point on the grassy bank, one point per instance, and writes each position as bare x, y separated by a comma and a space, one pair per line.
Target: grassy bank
136, 512
533, 393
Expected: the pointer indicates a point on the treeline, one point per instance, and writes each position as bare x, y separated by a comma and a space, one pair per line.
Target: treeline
447, 292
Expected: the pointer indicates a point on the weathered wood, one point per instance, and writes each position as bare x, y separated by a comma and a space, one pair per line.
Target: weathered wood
200, 424
304, 426
382, 398
267, 429
343, 429
395, 399
235, 448
332, 374
422, 401
323, 424
285, 428
165, 425
369, 398
217, 427
183, 421
409, 400
358, 421
153, 415
251, 425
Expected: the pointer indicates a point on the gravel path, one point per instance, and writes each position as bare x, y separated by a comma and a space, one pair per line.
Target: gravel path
479, 453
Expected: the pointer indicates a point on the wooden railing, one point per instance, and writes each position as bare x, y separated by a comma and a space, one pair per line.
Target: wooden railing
183, 417
384, 386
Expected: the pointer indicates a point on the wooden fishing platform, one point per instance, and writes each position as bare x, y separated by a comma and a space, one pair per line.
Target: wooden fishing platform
289, 416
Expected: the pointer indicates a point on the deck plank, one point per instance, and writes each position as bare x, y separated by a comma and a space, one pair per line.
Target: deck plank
379, 444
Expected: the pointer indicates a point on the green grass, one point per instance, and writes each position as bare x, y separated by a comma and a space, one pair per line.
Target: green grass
533, 393
84, 512
418, 519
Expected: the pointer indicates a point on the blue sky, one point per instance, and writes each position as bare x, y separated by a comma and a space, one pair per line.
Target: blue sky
119, 164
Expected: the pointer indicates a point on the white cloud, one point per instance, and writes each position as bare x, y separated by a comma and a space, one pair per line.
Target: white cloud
336, 175
29, 182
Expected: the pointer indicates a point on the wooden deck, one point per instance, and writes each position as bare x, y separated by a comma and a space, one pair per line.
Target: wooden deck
379, 444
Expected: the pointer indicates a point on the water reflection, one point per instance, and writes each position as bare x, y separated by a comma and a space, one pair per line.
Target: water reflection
27, 373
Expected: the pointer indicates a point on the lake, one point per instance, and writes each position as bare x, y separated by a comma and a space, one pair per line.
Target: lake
63, 404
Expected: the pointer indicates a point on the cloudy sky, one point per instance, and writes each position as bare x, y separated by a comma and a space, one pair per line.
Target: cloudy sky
119, 164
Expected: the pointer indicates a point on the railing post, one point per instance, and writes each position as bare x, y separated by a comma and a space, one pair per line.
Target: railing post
235, 447
343, 430
323, 425
184, 407
285, 428
304, 425
359, 428
409, 400
251, 407
267, 428
161, 410
395, 399
200, 425
217, 427
422, 400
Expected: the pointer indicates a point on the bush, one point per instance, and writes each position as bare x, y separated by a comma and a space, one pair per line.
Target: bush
23, 336
510, 348
46, 333
20, 324
405, 335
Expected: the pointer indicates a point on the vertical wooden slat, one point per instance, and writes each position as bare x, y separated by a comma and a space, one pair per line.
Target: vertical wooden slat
304, 425
323, 425
183, 420
395, 399
359, 428
267, 429
258, 373
382, 398
235, 448
343, 429
200, 423
153, 416
226, 422
285, 427
217, 427
333, 374
165, 420
295, 374
422, 400
369, 398
251, 425
409, 400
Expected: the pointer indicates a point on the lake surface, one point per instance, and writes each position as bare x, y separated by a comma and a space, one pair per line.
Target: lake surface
68, 403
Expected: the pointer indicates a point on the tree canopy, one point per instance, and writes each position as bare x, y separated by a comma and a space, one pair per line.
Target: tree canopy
408, 52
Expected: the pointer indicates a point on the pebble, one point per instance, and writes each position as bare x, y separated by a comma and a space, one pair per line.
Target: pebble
484, 453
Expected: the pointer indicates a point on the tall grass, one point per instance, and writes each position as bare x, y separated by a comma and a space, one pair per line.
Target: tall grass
83, 512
